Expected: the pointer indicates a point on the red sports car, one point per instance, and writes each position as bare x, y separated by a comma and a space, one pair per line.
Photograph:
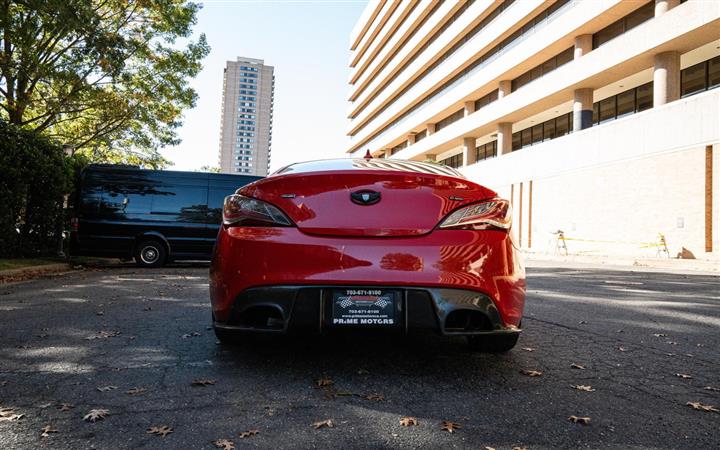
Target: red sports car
368, 244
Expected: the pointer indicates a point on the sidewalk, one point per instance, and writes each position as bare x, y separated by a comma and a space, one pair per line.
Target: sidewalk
674, 265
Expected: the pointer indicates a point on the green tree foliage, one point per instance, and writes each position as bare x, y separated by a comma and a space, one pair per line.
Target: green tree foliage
35, 175
109, 77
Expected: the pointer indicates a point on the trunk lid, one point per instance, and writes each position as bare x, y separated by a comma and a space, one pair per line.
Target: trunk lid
409, 204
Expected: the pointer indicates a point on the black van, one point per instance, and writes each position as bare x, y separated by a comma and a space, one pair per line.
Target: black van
152, 215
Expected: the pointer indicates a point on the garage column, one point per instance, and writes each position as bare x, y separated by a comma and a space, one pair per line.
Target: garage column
504, 138
504, 88
430, 157
411, 139
663, 6
583, 45
387, 153
666, 78
582, 109
469, 153
430, 128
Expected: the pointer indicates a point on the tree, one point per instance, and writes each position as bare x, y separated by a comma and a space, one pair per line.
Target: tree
109, 77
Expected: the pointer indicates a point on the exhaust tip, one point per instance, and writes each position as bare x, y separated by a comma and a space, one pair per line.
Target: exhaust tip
467, 320
262, 317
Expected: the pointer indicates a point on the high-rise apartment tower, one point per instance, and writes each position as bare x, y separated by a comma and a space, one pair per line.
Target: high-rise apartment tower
247, 114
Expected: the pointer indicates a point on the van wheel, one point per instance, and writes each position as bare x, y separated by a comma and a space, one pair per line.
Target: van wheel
150, 253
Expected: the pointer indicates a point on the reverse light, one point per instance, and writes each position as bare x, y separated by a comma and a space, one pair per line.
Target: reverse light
495, 213
239, 210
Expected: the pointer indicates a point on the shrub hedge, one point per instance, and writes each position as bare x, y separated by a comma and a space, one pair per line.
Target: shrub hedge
35, 176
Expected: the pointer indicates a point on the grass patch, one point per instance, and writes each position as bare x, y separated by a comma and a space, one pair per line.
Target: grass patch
17, 263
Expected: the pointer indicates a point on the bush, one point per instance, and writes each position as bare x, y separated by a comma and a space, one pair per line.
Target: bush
35, 176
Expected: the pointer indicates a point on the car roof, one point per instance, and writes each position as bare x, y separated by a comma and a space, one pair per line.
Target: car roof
345, 164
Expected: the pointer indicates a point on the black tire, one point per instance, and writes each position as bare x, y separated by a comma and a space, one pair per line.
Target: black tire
150, 253
500, 343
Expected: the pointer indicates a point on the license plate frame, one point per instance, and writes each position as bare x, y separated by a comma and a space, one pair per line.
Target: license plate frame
364, 307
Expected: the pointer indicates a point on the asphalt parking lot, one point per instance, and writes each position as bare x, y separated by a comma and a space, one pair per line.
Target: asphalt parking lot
627, 349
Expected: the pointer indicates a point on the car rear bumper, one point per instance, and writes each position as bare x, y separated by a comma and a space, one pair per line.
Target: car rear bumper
306, 309
283, 258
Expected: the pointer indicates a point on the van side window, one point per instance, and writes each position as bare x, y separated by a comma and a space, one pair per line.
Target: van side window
180, 200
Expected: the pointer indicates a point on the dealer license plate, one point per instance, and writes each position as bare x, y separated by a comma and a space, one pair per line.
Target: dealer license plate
364, 307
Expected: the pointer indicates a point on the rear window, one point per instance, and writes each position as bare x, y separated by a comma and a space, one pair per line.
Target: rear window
328, 165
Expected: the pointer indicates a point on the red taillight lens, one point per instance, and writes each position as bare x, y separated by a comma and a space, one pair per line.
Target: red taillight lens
495, 213
239, 210
74, 224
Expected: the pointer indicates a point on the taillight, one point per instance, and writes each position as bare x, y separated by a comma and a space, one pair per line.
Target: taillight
495, 213
74, 224
239, 210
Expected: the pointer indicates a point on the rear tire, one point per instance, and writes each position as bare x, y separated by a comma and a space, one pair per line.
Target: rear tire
500, 343
227, 337
150, 253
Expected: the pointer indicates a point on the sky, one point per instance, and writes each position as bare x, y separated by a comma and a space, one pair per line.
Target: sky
308, 44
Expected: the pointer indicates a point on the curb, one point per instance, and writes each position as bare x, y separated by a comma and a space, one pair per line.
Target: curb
25, 273
627, 263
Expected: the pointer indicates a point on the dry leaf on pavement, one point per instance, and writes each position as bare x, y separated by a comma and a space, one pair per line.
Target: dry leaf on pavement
581, 420
202, 382
531, 373
408, 421
322, 382
683, 375
249, 433
9, 415
374, 397
163, 430
47, 429
96, 414
700, 407
528, 349
107, 388
103, 335
577, 366
224, 444
711, 388
65, 407
135, 391
450, 427
323, 423
520, 448
581, 387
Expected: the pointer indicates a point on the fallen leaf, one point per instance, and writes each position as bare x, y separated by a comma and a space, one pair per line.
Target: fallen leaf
150, 309
581, 420
103, 335
531, 373
660, 335
3, 382
581, 387
450, 427
163, 430
700, 407
202, 382
711, 388
489, 448
322, 382
65, 407
577, 366
136, 391
224, 444
96, 414
683, 375
671, 342
519, 448
528, 349
323, 423
9, 415
107, 388
374, 397
99, 313
582, 322
621, 349
248, 433
47, 429
408, 421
